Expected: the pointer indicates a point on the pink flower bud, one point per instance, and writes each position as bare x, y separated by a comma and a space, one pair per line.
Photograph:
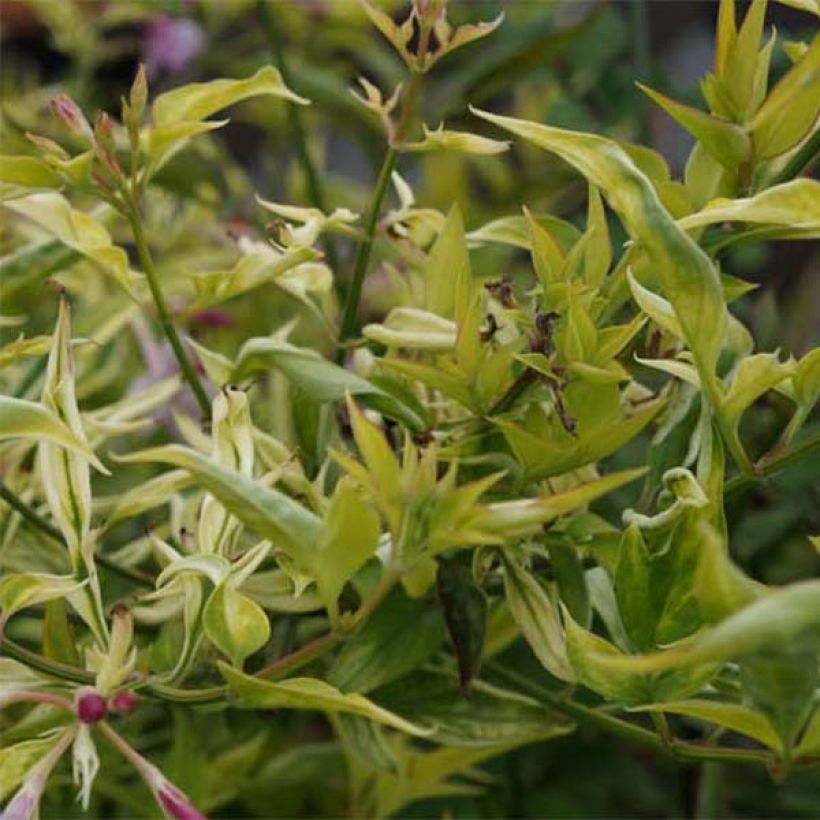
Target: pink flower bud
176, 804
213, 317
69, 113
90, 705
23, 805
123, 703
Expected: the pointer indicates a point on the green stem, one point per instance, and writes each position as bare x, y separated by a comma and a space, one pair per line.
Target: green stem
770, 466
164, 315
297, 127
283, 666
803, 161
45, 665
678, 749
522, 382
351, 307
38, 521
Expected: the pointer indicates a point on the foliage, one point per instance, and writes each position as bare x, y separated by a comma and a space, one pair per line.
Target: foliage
391, 487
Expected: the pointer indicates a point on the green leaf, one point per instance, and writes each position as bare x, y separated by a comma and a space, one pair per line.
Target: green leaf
447, 272
402, 635
415, 329
153, 493
311, 694
319, 378
553, 451
461, 141
790, 111
731, 716
365, 741
809, 745
547, 255
265, 511
515, 231
17, 760
26, 589
689, 278
489, 716
465, 613
773, 620
565, 561
79, 231
753, 377
781, 684
515, 518
633, 589
259, 268
27, 172
197, 101
658, 309
537, 618
28, 419
59, 642
235, 624
741, 61
585, 651
598, 256
350, 537
794, 205
724, 140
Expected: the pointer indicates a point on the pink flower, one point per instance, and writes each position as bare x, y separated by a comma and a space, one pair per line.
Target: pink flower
170, 44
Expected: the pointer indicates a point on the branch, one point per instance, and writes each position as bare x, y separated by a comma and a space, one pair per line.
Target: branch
164, 315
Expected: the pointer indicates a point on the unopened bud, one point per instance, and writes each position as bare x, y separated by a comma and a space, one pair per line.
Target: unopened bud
176, 803
90, 705
139, 92
123, 703
104, 131
70, 115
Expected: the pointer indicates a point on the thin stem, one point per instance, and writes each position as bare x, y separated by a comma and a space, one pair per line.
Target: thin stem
522, 382
351, 307
34, 518
48, 698
678, 749
283, 666
297, 127
708, 806
73, 674
45, 665
163, 313
802, 162
767, 467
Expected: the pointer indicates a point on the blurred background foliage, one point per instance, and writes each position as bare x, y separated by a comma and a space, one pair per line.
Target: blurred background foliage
570, 63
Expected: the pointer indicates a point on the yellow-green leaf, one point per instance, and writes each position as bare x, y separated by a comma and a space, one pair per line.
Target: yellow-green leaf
235, 624
689, 278
311, 694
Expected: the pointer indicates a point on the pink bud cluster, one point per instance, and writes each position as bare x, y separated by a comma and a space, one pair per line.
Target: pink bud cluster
92, 707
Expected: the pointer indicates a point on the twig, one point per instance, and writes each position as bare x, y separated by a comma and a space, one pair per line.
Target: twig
163, 313
312, 180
